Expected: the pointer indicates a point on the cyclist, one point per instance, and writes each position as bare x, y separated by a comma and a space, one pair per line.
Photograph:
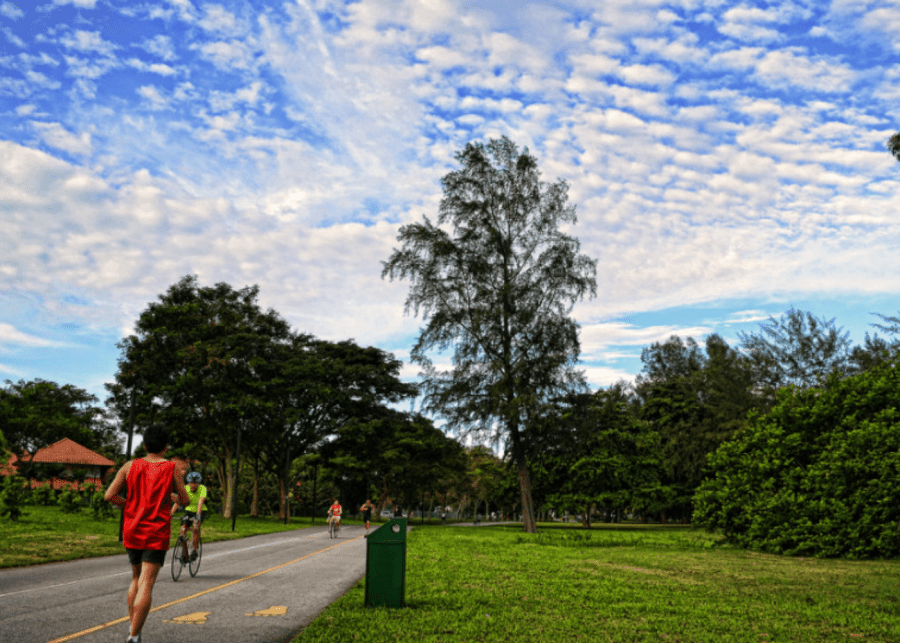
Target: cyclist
334, 511
197, 492
367, 510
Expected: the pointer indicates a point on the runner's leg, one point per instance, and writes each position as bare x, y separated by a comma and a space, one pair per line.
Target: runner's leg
132, 590
140, 606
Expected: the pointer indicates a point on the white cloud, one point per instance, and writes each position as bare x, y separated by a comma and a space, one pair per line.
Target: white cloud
11, 11
81, 4
160, 46
234, 54
9, 334
751, 32
10, 370
55, 135
790, 68
605, 376
13, 38
217, 18
154, 97
153, 68
88, 41
600, 336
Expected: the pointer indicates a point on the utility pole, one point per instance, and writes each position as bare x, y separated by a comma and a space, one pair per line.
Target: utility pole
127, 458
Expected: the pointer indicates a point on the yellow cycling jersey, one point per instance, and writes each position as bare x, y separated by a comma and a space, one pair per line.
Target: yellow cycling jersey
195, 498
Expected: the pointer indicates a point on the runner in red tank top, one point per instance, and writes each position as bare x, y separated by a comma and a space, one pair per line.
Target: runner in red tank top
148, 519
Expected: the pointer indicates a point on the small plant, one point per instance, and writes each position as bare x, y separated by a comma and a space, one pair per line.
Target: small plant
12, 497
43, 496
70, 501
101, 508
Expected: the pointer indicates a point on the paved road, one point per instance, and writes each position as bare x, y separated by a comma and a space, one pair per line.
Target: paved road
262, 589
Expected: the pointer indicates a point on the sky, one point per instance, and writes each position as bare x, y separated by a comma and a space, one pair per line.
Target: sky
727, 161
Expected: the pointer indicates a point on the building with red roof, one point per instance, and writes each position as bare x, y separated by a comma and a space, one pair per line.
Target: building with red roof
71, 455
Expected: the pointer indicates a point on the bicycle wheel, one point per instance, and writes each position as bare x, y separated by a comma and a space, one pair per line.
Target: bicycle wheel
194, 563
331, 529
177, 558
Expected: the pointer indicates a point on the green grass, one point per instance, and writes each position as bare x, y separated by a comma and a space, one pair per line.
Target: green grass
45, 534
617, 583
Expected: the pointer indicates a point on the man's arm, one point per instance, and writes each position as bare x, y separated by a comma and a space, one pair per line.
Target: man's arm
183, 496
201, 503
112, 493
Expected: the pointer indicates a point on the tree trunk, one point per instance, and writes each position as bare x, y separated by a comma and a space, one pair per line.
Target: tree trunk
527, 505
282, 496
587, 516
228, 490
254, 503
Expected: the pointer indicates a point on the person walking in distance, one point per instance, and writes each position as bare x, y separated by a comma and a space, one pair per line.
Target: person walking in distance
148, 519
367, 510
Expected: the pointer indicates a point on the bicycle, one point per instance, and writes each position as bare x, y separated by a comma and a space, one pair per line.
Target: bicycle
334, 526
184, 548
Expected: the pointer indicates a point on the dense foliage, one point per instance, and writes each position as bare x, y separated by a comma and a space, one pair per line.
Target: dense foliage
818, 475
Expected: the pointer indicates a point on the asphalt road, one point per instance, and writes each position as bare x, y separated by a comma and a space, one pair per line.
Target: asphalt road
262, 589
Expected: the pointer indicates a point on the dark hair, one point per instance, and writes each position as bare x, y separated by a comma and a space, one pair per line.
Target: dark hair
156, 438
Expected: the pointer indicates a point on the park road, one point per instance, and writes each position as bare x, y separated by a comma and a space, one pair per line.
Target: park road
262, 589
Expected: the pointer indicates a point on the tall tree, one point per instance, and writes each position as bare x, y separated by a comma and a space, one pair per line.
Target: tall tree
195, 364
798, 349
497, 284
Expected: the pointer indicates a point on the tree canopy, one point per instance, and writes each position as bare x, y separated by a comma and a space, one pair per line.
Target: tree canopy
799, 349
495, 280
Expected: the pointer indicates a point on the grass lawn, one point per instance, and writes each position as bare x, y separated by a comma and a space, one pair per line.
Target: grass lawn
617, 583
45, 534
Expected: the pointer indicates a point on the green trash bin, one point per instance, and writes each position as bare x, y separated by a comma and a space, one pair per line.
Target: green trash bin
386, 565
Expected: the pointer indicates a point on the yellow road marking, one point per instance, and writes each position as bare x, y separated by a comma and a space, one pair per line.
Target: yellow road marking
275, 610
194, 618
125, 619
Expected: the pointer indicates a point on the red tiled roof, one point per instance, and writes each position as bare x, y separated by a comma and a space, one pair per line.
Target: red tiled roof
68, 451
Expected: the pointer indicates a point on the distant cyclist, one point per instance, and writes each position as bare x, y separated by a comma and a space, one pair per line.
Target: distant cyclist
197, 492
334, 511
367, 510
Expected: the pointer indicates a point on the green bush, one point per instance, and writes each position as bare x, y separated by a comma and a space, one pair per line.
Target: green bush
43, 496
818, 475
101, 508
12, 497
70, 501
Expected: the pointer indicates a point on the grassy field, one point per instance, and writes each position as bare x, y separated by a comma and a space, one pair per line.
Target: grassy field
46, 534
618, 583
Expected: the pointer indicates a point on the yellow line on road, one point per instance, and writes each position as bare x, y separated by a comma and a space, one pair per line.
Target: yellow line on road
125, 619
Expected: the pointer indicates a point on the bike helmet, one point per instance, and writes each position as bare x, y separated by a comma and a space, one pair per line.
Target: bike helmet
194, 476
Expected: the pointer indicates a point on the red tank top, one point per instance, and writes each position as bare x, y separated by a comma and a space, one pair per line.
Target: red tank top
148, 508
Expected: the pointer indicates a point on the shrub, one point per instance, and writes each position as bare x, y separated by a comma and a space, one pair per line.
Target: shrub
12, 497
819, 475
43, 496
101, 508
70, 501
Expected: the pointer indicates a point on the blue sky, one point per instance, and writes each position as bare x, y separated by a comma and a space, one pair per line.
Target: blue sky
726, 158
